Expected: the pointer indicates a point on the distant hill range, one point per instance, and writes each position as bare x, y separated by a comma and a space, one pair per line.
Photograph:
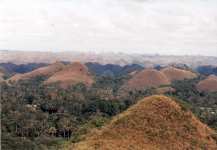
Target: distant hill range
94, 68
21, 68
207, 70
24, 57
112, 69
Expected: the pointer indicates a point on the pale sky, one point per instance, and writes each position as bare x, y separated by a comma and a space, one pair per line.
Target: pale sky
147, 26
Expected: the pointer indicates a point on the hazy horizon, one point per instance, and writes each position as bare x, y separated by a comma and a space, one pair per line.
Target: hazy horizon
107, 52
171, 27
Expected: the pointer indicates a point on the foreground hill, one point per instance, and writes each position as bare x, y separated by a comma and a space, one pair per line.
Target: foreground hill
146, 78
72, 74
173, 74
40, 72
154, 123
209, 84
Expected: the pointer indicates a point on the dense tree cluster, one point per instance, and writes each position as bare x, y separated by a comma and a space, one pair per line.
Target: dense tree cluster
207, 70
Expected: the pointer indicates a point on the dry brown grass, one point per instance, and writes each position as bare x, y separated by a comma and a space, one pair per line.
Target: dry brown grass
173, 74
43, 71
209, 84
154, 123
146, 78
72, 74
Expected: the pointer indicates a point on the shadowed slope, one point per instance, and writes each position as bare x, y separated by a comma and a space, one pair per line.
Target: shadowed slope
154, 123
43, 71
209, 84
72, 74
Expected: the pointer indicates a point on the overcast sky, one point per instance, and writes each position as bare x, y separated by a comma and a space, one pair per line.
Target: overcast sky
148, 26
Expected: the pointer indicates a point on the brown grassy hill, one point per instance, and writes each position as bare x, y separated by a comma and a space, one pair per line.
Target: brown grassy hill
173, 73
43, 71
72, 74
209, 84
146, 78
154, 123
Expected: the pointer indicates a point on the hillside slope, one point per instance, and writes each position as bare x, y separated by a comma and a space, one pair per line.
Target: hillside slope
209, 84
154, 123
173, 74
72, 74
43, 71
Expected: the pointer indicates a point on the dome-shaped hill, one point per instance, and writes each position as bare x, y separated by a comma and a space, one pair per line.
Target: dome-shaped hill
154, 123
209, 84
43, 71
146, 78
173, 74
72, 74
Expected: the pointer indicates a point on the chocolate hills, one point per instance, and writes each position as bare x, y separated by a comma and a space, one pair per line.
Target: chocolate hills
209, 84
154, 123
145, 79
72, 74
173, 74
42, 71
